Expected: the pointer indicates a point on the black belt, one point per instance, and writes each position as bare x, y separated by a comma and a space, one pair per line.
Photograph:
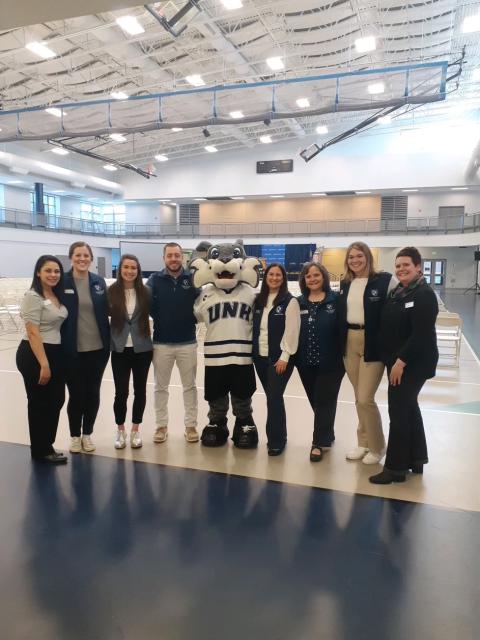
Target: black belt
356, 327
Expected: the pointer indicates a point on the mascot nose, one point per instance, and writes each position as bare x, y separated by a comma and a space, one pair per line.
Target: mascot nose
225, 259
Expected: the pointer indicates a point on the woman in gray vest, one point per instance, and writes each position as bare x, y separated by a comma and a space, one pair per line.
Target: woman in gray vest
131, 344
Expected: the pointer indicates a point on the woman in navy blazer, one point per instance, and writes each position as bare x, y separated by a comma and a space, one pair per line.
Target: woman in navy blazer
131, 345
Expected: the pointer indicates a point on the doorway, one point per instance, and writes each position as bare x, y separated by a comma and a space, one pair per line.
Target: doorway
435, 272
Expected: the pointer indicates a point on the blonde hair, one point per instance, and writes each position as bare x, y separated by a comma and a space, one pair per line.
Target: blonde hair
367, 252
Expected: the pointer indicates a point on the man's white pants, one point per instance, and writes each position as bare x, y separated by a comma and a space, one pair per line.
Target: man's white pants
185, 357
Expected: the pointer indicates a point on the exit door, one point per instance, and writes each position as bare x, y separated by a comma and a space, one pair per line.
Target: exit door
435, 272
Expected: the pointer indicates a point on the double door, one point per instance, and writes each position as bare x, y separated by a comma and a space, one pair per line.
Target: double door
435, 271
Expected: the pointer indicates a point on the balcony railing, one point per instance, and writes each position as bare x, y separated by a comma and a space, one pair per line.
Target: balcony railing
466, 223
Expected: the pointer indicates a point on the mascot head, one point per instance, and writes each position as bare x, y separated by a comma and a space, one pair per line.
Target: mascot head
225, 266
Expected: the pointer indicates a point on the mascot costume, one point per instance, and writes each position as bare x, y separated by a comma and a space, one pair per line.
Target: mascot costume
225, 304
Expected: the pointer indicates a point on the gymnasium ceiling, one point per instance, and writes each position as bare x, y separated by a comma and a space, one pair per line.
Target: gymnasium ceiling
94, 57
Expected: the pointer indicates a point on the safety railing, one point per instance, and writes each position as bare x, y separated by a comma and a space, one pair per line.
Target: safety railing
466, 223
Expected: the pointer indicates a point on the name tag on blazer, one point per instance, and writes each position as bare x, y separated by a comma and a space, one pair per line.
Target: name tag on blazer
304, 312
69, 291
409, 305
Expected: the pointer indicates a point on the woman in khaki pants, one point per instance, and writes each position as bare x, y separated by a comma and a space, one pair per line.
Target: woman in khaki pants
363, 292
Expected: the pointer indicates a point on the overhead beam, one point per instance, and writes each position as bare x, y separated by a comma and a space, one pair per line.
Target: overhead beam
22, 13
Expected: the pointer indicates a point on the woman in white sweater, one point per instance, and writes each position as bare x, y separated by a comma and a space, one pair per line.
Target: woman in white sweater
276, 327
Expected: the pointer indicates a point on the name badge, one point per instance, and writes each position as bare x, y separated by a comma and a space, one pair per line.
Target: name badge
409, 305
69, 291
305, 312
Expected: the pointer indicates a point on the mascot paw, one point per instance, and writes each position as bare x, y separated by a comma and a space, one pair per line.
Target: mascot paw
245, 437
214, 435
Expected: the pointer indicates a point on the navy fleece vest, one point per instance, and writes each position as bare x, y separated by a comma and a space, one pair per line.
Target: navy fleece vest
276, 328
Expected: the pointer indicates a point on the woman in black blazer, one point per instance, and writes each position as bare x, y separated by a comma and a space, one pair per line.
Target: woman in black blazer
408, 345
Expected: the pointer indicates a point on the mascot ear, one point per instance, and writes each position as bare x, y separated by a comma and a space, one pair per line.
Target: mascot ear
250, 271
201, 272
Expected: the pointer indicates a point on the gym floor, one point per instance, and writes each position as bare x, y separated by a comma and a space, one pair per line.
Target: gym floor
176, 541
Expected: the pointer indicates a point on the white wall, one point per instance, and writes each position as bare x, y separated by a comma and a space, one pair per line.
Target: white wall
425, 205
362, 163
154, 213
17, 198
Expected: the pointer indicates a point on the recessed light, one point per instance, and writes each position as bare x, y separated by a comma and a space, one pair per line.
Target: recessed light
238, 197
60, 151
110, 167
130, 25
459, 189
15, 182
363, 45
471, 24
161, 158
40, 49
318, 194
322, 129
117, 137
409, 190
236, 115
195, 80
119, 95
277, 196
177, 129
362, 193
265, 139
385, 119
232, 4
54, 111
375, 88
200, 199
303, 103
211, 149
275, 63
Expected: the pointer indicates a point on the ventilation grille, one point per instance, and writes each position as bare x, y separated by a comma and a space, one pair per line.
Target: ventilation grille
446, 212
394, 207
189, 214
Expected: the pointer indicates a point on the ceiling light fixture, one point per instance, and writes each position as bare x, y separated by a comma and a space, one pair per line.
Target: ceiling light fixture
40, 49
362, 193
195, 80
322, 129
211, 149
376, 88
238, 197
303, 103
60, 151
200, 199
53, 111
459, 189
119, 95
161, 158
117, 137
110, 167
236, 115
277, 196
275, 63
363, 45
265, 139
471, 24
175, 129
130, 25
232, 4
318, 194
409, 190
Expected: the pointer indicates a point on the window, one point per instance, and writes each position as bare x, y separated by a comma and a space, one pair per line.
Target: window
90, 211
50, 204
114, 213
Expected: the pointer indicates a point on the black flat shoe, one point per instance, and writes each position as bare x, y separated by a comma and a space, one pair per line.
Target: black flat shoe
387, 477
316, 457
53, 458
417, 468
275, 451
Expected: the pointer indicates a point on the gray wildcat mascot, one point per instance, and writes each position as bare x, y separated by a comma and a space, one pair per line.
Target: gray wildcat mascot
225, 304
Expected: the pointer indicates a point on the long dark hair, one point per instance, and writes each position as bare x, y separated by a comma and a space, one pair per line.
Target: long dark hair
262, 297
36, 285
306, 268
116, 299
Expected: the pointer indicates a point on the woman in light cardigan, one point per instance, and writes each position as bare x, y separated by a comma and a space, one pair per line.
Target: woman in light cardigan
131, 344
276, 326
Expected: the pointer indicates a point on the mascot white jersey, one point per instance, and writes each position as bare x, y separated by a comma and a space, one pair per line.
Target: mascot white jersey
225, 304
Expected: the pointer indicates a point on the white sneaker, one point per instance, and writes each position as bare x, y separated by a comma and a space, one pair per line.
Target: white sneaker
373, 458
120, 440
135, 439
87, 444
160, 435
357, 454
75, 444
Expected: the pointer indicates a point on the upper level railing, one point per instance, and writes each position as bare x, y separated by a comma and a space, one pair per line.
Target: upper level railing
466, 223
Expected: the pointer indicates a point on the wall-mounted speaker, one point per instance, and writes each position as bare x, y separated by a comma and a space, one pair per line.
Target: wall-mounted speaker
476, 256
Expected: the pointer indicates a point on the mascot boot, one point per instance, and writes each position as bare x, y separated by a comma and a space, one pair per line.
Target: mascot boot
245, 436
214, 435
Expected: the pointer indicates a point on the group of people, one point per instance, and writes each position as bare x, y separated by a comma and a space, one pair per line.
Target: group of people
73, 322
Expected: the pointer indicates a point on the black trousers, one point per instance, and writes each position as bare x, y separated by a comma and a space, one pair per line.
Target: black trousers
84, 377
322, 393
44, 401
407, 445
274, 385
123, 364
